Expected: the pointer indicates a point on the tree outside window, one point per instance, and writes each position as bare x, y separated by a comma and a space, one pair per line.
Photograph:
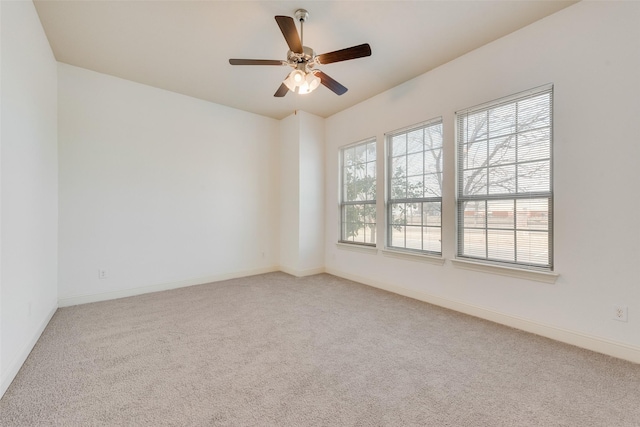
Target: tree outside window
358, 193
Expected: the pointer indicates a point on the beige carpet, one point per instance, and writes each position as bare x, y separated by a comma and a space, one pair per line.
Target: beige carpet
317, 351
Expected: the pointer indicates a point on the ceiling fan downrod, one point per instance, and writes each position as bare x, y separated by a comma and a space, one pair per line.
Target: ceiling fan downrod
302, 15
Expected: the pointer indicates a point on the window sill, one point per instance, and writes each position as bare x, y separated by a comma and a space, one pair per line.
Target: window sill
539, 276
431, 259
354, 247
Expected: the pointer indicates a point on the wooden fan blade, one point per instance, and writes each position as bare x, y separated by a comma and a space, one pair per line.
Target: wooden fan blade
282, 91
290, 33
330, 83
256, 62
345, 54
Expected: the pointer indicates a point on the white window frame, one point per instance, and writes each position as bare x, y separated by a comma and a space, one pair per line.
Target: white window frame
496, 197
430, 168
367, 202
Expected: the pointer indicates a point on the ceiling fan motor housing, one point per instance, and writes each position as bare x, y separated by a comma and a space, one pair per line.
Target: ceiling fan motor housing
306, 57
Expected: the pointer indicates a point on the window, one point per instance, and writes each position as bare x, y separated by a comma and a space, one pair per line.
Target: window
358, 193
414, 188
504, 185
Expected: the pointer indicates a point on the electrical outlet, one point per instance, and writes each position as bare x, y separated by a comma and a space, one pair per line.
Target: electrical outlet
102, 274
620, 313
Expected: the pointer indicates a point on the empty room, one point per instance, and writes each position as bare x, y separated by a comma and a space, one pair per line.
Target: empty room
335, 213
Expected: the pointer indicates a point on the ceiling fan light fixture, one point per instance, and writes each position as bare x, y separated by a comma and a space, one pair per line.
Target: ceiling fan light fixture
304, 89
301, 82
294, 80
311, 83
298, 77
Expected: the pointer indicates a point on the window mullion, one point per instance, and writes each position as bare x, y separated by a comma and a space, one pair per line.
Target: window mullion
487, 162
515, 231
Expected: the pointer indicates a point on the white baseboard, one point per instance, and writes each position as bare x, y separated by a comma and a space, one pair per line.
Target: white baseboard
589, 342
14, 366
301, 273
88, 298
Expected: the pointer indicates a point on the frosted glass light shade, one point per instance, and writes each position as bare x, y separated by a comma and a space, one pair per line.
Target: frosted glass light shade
300, 82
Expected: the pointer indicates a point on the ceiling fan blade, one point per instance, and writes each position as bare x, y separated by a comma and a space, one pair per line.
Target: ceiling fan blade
256, 62
290, 33
282, 91
345, 54
330, 83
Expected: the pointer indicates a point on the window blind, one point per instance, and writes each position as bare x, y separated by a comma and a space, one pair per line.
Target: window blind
414, 187
504, 180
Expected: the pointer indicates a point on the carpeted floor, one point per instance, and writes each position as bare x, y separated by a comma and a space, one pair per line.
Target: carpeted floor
317, 351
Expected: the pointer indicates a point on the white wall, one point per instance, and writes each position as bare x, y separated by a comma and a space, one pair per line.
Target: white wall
29, 178
591, 53
289, 151
159, 189
311, 201
302, 194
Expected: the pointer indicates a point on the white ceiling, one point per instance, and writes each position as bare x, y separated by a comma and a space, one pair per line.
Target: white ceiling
184, 46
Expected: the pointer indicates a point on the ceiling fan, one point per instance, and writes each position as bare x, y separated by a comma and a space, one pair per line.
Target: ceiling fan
304, 78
